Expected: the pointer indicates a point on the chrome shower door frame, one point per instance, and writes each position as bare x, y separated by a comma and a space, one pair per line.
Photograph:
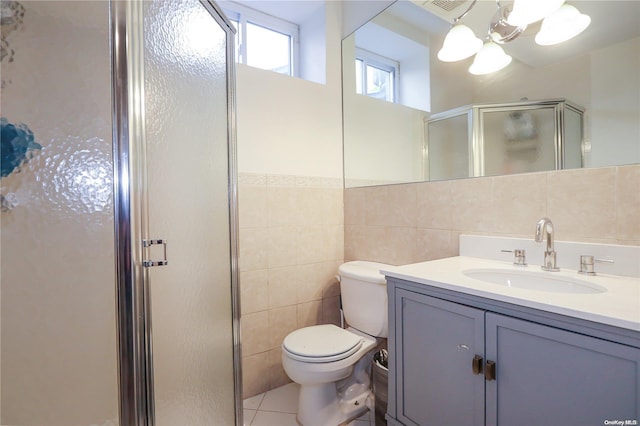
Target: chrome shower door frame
135, 349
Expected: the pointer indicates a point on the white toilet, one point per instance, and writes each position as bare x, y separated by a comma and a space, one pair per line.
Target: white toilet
332, 364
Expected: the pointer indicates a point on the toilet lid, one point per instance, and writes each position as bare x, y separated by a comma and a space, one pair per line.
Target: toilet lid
321, 343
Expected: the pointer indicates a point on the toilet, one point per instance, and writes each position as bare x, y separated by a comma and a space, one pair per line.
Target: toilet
332, 364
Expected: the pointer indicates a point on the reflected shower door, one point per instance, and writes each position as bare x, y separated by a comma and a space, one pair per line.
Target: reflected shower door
187, 153
448, 150
519, 140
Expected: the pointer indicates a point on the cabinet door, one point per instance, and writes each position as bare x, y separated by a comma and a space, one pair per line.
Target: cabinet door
436, 342
548, 376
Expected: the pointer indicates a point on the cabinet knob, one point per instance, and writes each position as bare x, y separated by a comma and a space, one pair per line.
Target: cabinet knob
490, 370
476, 364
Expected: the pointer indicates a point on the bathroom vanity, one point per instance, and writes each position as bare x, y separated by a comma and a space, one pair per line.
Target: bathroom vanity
475, 341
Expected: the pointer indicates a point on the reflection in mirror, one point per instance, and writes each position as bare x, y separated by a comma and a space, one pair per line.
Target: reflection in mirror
394, 141
501, 139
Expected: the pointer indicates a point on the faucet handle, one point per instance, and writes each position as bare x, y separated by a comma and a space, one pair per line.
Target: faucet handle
519, 256
587, 262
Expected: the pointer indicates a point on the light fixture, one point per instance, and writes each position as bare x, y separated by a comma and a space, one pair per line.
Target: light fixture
562, 25
528, 11
561, 22
490, 58
460, 42
500, 30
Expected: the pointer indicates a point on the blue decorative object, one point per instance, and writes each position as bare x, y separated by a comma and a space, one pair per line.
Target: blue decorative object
17, 146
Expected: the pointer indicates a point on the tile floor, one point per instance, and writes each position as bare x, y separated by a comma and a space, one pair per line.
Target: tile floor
278, 407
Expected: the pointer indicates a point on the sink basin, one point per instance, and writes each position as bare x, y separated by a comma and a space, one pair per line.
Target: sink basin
531, 280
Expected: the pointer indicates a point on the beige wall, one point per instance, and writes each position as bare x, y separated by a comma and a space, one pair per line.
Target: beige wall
291, 244
408, 223
291, 235
290, 206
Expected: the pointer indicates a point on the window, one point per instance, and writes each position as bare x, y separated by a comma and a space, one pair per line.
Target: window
264, 41
376, 76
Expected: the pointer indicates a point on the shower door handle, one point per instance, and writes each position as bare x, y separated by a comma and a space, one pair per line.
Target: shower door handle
149, 243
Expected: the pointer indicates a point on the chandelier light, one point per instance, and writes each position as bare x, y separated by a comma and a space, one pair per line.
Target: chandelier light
500, 30
490, 58
561, 22
529, 11
562, 25
460, 43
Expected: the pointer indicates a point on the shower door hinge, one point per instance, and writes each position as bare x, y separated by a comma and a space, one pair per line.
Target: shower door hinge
149, 263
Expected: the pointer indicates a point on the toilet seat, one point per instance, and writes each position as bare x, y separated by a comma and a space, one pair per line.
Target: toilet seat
321, 343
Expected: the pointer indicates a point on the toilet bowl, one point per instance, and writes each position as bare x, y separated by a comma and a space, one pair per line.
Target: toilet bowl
334, 383
332, 364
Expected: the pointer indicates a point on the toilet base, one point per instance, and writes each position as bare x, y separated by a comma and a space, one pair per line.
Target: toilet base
328, 410
336, 403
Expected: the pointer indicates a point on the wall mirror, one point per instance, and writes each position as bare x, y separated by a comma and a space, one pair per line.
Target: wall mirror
407, 114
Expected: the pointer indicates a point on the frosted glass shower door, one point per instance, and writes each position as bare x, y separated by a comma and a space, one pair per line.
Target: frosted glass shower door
58, 357
448, 147
518, 140
187, 153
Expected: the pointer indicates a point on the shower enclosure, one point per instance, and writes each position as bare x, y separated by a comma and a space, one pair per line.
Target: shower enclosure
118, 291
507, 138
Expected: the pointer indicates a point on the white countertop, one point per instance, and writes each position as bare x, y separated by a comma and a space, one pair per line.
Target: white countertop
619, 305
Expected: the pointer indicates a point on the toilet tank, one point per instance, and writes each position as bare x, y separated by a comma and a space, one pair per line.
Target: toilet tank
364, 296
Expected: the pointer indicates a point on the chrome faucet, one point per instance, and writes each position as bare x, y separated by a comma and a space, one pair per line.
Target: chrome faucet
545, 225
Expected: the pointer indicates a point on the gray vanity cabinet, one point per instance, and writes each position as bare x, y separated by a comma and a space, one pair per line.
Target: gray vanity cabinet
549, 376
437, 385
541, 374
